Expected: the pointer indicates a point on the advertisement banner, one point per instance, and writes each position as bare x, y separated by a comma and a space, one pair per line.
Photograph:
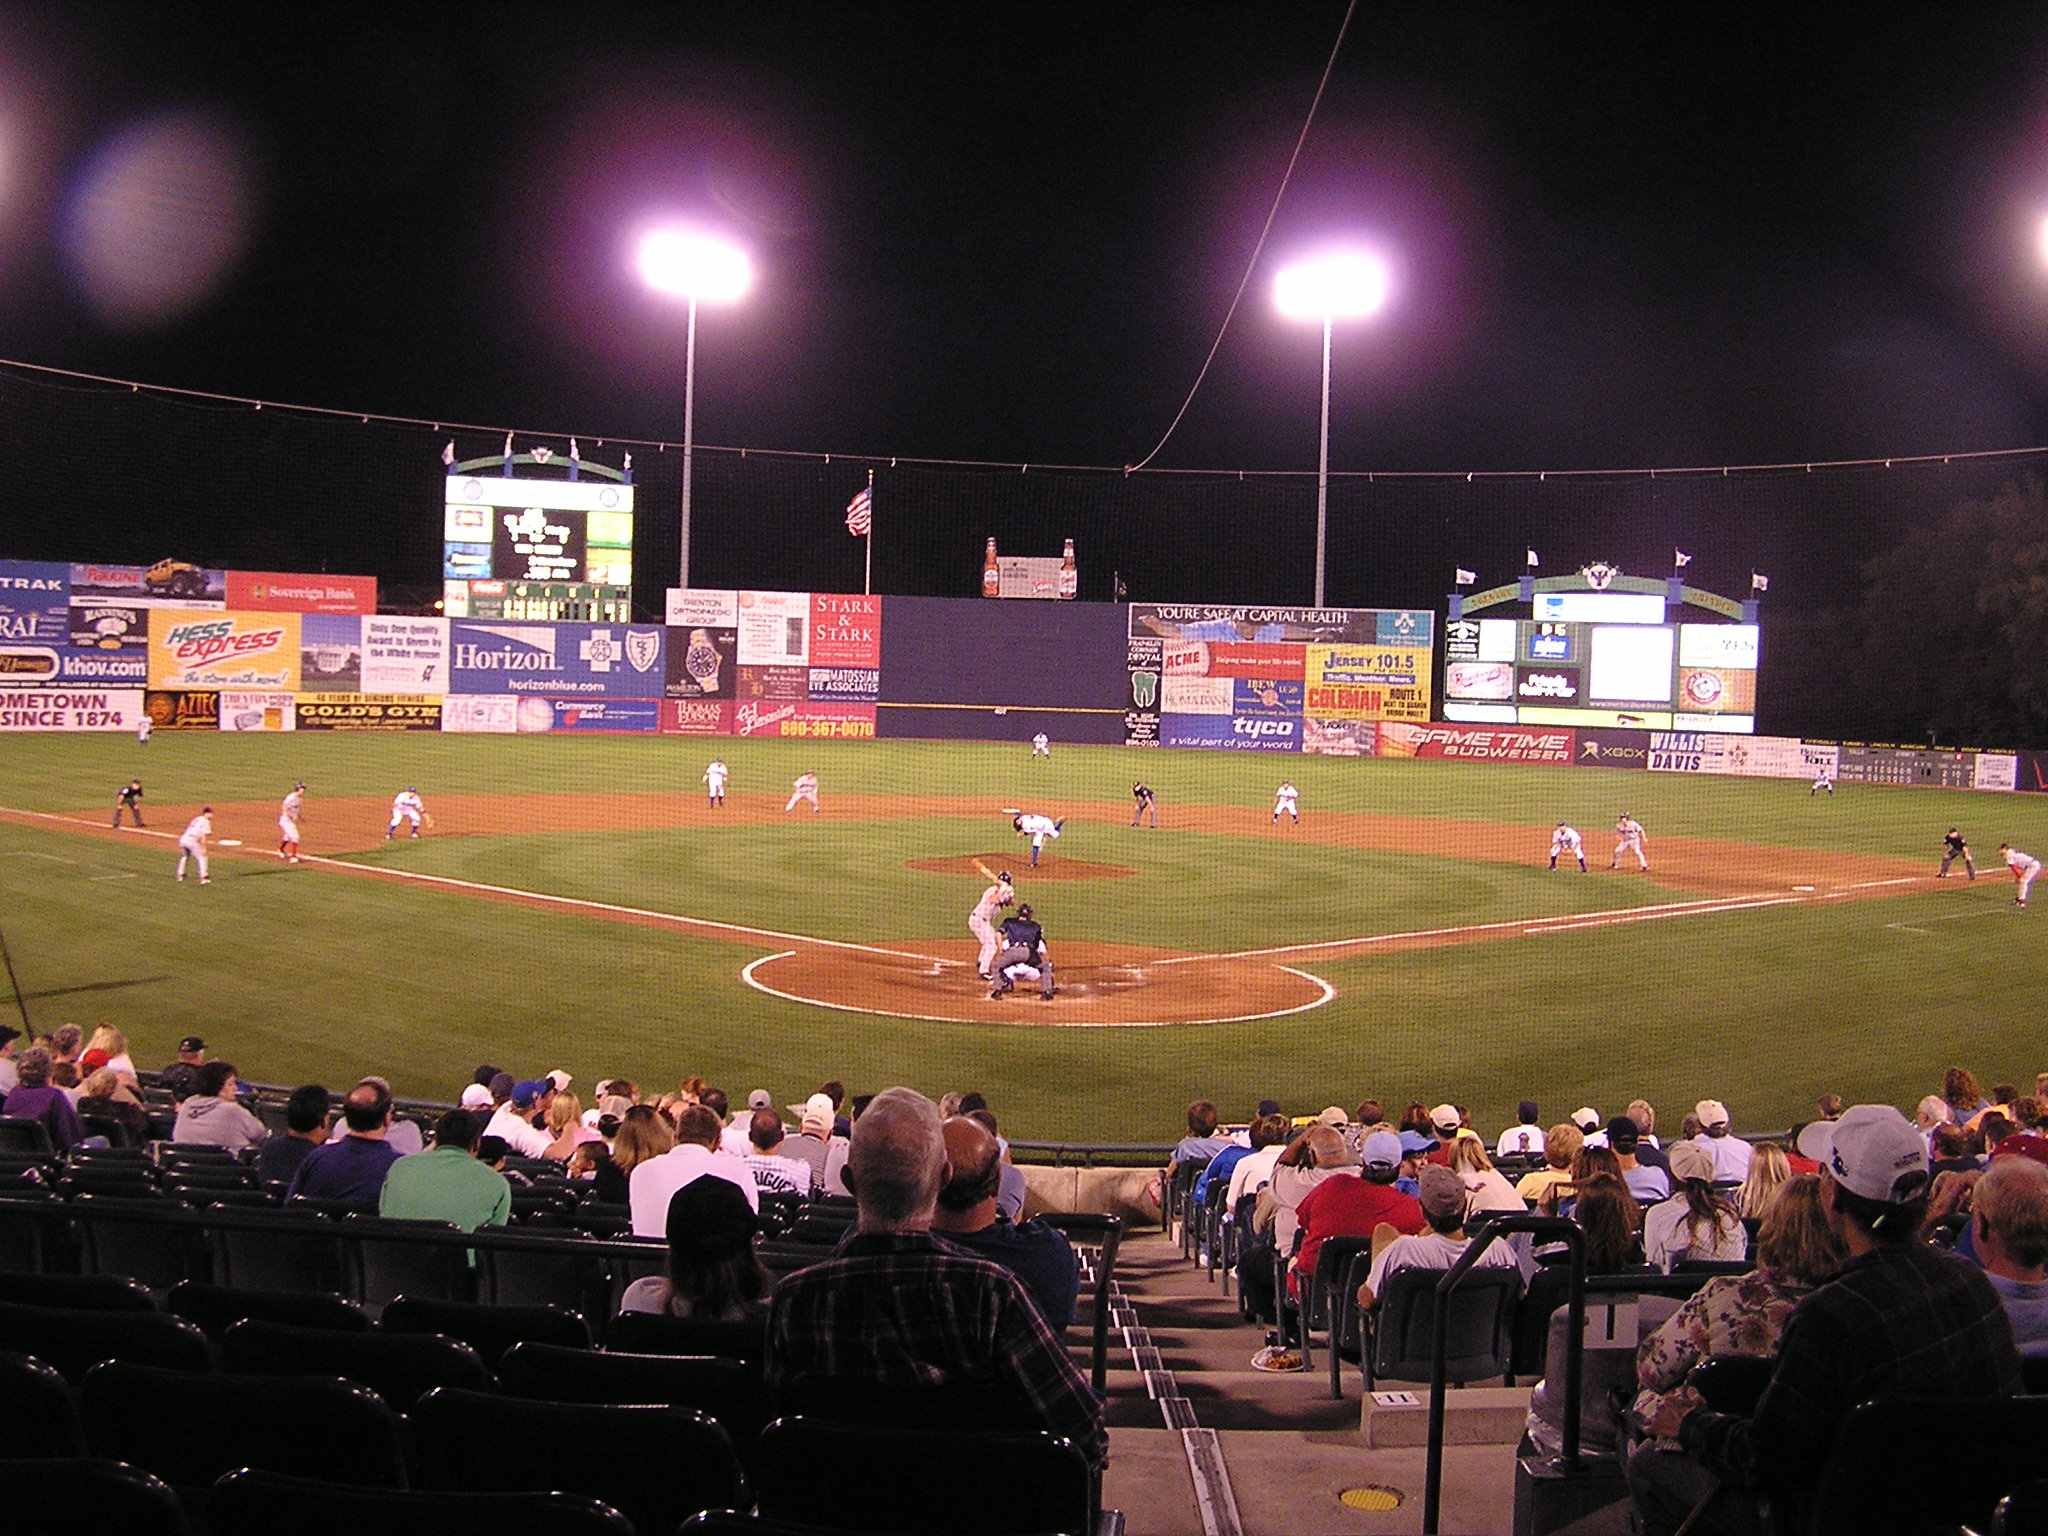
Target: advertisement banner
1028, 576
1181, 694
849, 685
109, 627
702, 663
1552, 686
1275, 663
773, 683
555, 660
702, 608
224, 650
367, 712
105, 667
1267, 697
1268, 626
257, 711
1996, 770
1230, 733
402, 655
816, 722
167, 584
775, 629
846, 630
1340, 738
283, 592
1370, 681
1602, 748
189, 709
1481, 680
483, 713
1716, 691
58, 709
696, 717
1474, 743
1678, 752
35, 602
330, 653
28, 666
590, 714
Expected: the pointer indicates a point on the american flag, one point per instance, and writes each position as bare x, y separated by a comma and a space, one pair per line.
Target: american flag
860, 512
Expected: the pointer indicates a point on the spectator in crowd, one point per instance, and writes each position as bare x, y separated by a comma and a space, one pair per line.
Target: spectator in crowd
1314, 1156
67, 1043
1947, 1217
351, 1171
774, 1173
1612, 1220
737, 1137
1797, 1250
812, 1142
1962, 1095
1525, 1136
1233, 1150
1950, 1145
181, 1077
652, 1184
2009, 1227
966, 1215
1202, 1141
114, 1046
512, 1120
1624, 1140
1356, 1207
712, 1271
1932, 1113
1900, 1318
1696, 1222
897, 1306
1012, 1189
212, 1117
565, 1127
1486, 1188
446, 1182
592, 1163
110, 1102
1255, 1168
1828, 1107
1730, 1153
305, 1127
1441, 1246
9, 1038
33, 1098
1560, 1146
644, 1133
1588, 1164
1769, 1168
1649, 1150
1588, 1121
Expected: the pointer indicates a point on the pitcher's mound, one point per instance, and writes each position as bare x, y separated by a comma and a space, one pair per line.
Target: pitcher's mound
1054, 867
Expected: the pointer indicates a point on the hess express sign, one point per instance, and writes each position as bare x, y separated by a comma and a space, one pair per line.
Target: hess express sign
223, 649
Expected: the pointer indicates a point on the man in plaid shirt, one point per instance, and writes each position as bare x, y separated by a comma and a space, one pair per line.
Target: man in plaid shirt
900, 1305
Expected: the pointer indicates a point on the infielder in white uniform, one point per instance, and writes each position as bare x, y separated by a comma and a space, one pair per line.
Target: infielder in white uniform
981, 922
143, 727
714, 783
2024, 866
288, 824
806, 789
1566, 839
1038, 829
192, 843
1287, 801
407, 807
1041, 746
1628, 837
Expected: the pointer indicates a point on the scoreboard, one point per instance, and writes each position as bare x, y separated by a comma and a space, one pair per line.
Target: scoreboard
536, 549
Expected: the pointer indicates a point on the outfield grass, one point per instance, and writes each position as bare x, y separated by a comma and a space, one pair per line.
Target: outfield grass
303, 973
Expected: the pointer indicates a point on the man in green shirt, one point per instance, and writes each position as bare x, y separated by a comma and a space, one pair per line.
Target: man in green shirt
446, 1182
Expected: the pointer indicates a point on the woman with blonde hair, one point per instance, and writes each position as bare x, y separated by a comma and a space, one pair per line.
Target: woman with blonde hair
108, 1098
1769, 1168
644, 1132
109, 1039
1486, 1187
565, 1125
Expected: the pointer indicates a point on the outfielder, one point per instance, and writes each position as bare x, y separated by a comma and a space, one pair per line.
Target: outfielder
714, 783
131, 797
1823, 780
806, 789
407, 807
1024, 956
1566, 839
1955, 846
1038, 829
2024, 867
192, 843
1143, 800
1628, 834
1287, 801
981, 922
288, 824
143, 727
1041, 746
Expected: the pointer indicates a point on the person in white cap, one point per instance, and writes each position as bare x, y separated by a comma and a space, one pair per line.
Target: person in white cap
1901, 1318
2025, 869
1731, 1154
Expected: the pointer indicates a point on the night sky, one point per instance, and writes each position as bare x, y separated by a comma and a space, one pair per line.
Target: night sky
1623, 236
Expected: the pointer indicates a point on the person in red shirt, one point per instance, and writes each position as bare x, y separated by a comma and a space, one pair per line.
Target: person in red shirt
1354, 1207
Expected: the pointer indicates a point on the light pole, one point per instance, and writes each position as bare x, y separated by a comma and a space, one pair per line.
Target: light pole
687, 264
1346, 285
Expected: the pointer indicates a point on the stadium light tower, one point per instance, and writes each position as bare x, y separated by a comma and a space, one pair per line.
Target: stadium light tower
1345, 285
688, 264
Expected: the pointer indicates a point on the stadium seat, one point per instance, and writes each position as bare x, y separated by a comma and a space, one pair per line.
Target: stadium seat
264, 1503
1402, 1328
83, 1293
152, 1240
488, 1329
385, 1259
656, 1466
32, 1228
36, 1399
401, 1368
217, 1308
657, 1333
285, 1250
19, 1134
89, 1498
1324, 1295
74, 1341
1974, 1451
547, 1272
729, 1391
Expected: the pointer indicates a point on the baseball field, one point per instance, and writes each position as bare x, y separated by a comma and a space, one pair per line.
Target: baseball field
576, 904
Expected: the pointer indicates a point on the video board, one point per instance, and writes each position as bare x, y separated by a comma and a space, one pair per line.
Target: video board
1583, 668
495, 528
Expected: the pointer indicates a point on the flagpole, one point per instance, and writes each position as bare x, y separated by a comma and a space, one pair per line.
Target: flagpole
867, 575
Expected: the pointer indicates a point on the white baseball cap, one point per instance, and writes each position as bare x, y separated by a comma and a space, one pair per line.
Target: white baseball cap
1872, 1151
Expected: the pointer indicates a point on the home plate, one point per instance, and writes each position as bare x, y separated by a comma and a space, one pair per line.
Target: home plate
231, 842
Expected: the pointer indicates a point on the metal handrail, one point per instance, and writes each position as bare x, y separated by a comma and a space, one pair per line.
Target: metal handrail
1483, 1237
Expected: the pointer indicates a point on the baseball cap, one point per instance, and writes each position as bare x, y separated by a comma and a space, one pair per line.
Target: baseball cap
1586, 1118
1446, 1119
1872, 1151
760, 1098
1710, 1113
1382, 1149
501, 1085
816, 1118
1690, 1160
560, 1079
476, 1096
2022, 1144
93, 1060
1333, 1117
523, 1094
8, 1032
190, 1044
1443, 1192
1623, 1134
1268, 1107
1526, 1112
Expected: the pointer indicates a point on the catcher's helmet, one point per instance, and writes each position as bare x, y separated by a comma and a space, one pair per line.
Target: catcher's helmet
1004, 876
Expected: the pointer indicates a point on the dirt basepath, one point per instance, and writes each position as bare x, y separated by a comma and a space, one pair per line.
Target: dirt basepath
1099, 985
